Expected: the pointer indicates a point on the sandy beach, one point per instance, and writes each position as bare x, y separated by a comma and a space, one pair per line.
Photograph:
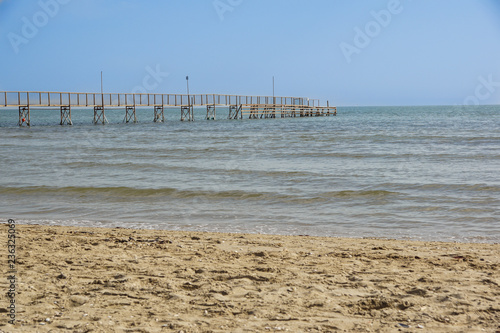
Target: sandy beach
73, 279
